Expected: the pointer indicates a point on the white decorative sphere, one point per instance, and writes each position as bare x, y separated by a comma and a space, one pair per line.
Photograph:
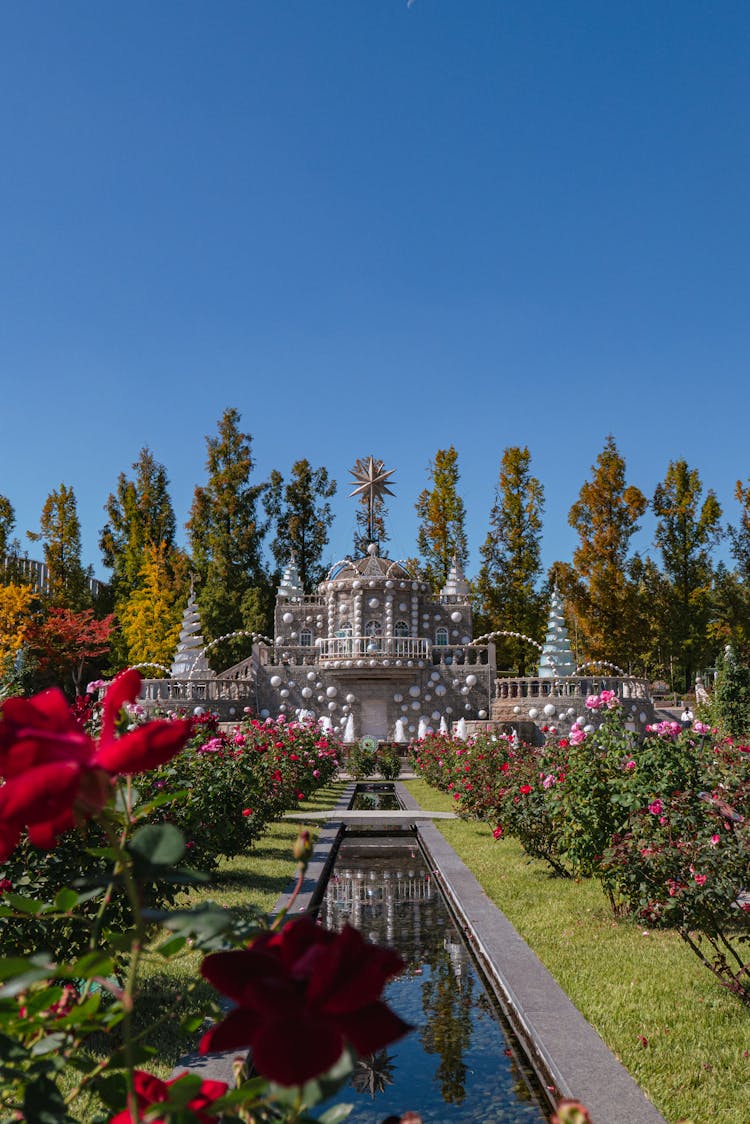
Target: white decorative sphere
284, 693
549, 710
435, 675
404, 707
311, 675
456, 616
643, 717
464, 690
588, 728
350, 698
331, 692
332, 706
306, 692
440, 690
471, 680
198, 711
389, 584
264, 713
482, 714
580, 722
516, 710
533, 712
398, 698
321, 698
288, 618
275, 680
416, 706
373, 603
466, 640
414, 691
435, 716
402, 607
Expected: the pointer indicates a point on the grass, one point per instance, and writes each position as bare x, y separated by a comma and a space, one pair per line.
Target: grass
248, 883
682, 1037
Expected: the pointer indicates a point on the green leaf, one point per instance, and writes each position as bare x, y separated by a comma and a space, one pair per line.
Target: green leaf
22, 904
336, 1113
65, 899
47, 1045
159, 801
158, 844
171, 947
43, 1103
92, 964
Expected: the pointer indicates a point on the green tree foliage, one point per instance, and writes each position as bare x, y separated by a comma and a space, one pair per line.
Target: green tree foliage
730, 704
140, 515
301, 517
601, 591
60, 534
226, 538
686, 533
150, 617
7, 523
441, 536
511, 567
739, 536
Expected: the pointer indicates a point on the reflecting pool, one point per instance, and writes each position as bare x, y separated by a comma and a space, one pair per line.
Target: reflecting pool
459, 1063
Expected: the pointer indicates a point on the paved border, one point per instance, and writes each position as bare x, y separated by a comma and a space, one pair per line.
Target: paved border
562, 1046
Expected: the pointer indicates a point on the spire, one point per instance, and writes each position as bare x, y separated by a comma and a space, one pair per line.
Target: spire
290, 586
556, 658
456, 584
189, 656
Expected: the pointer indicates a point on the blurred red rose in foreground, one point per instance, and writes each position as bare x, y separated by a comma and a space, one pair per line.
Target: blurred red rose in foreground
301, 995
56, 774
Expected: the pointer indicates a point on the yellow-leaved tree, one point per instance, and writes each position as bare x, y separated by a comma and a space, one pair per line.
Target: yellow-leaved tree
16, 615
150, 617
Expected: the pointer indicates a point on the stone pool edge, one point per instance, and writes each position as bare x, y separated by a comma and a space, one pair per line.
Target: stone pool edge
563, 1047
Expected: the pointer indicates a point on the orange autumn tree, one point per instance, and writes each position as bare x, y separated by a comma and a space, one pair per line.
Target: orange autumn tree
65, 642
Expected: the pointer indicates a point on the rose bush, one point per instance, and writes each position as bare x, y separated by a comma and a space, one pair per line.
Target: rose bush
52, 1006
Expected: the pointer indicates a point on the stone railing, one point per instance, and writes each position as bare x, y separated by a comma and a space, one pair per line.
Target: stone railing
573, 687
373, 648
173, 693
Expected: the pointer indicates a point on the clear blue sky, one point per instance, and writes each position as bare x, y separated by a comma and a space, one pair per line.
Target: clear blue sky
374, 226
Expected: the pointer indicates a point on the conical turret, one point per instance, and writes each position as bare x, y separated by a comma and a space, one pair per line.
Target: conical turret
456, 584
556, 659
290, 586
189, 658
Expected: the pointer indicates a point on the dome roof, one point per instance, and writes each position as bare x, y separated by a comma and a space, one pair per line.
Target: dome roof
371, 566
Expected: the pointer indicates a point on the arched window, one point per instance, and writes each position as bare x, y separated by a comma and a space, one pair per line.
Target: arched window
373, 628
441, 637
305, 638
401, 629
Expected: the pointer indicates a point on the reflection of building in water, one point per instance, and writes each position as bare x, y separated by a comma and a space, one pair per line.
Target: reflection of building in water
368, 897
456, 954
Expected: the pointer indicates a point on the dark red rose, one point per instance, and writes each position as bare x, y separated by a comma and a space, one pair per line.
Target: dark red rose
149, 1090
56, 774
301, 995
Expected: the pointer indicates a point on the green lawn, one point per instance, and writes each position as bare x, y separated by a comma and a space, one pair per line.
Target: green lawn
630, 983
247, 883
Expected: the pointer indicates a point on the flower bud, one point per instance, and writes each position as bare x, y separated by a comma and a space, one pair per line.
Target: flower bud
303, 848
571, 1112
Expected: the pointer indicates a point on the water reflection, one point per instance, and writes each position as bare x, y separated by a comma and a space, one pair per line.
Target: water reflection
456, 1065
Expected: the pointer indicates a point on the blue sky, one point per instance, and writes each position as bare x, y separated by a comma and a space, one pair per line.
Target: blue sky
374, 227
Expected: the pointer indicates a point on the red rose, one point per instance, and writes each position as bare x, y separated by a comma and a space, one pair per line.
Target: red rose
55, 774
525, 789
301, 995
150, 1090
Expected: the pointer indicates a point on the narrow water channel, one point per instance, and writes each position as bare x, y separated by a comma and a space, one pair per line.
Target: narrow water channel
458, 1064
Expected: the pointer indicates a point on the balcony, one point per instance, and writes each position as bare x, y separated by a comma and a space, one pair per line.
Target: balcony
373, 649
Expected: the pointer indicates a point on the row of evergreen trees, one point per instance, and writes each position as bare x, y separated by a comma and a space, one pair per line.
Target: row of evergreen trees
664, 618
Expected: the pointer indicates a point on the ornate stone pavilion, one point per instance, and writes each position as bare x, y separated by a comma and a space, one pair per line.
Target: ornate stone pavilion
371, 652
375, 652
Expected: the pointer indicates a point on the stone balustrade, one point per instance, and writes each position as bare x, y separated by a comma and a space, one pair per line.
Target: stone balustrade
570, 687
